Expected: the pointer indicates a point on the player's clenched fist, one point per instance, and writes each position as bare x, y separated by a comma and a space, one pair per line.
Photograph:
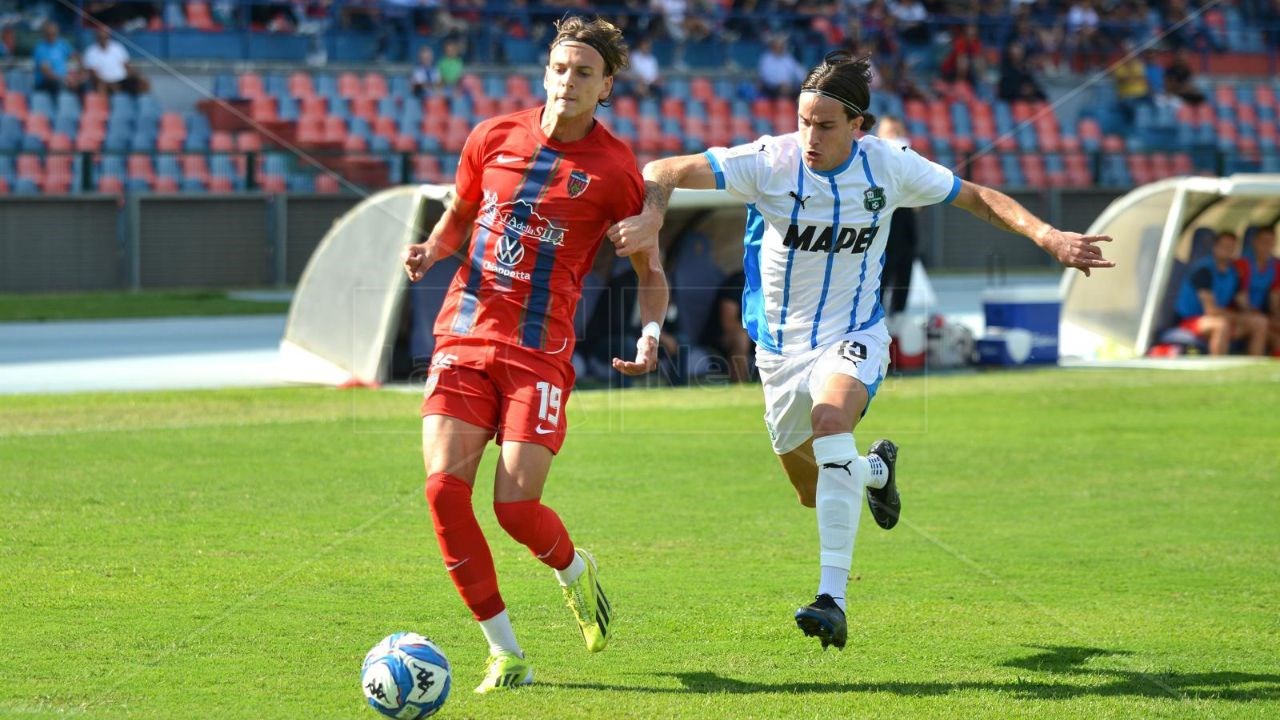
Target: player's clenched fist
417, 260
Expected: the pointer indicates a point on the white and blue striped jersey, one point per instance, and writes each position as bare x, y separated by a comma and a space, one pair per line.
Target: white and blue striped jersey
814, 240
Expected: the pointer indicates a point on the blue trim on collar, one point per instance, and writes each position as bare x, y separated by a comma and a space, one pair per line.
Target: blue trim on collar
853, 152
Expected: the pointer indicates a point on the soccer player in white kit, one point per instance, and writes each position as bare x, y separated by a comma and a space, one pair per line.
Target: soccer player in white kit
819, 202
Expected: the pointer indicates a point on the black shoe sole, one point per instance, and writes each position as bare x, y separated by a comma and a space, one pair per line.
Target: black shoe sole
814, 626
885, 503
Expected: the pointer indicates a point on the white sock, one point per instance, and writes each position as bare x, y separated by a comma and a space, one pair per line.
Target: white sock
501, 636
841, 478
879, 471
833, 582
573, 572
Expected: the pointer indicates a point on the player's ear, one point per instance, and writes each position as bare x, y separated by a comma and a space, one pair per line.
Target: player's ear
607, 89
857, 123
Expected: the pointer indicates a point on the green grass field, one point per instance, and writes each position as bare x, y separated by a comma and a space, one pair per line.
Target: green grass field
116, 305
1099, 544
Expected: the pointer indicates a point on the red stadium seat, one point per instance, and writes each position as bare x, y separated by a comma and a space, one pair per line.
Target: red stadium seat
249, 85
673, 107
248, 141
4, 185
426, 168
1140, 168
364, 107
313, 105
39, 126
1161, 166
30, 167
509, 104
471, 84
385, 127
326, 183
1113, 144
220, 184
626, 107
1033, 169
1264, 95
1225, 94
165, 185
110, 185
700, 89
221, 141
1078, 174
310, 129
59, 142
268, 183
518, 86
300, 85
349, 85
263, 109
95, 103
915, 110
354, 143
90, 141
195, 166
1205, 114
1182, 164
335, 129
139, 168
15, 104
375, 85
484, 106
405, 143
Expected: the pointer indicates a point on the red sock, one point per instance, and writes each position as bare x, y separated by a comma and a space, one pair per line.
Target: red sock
462, 543
538, 528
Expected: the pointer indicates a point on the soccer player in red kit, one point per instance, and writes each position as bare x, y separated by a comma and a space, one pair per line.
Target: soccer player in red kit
539, 190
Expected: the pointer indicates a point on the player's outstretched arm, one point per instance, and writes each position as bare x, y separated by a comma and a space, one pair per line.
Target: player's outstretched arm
638, 233
1069, 248
446, 237
652, 297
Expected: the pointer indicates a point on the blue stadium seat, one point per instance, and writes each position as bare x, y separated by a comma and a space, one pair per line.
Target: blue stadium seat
196, 123
148, 107
275, 84
142, 141
286, 108
10, 133
110, 166
32, 143
399, 86
18, 80
387, 106
448, 165
275, 163
1012, 171
359, 126
24, 186
193, 185
379, 144
6, 168
41, 103
301, 183
428, 144
123, 106
68, 106
167, 166
226, 86
677, 87
325, 84
695, 109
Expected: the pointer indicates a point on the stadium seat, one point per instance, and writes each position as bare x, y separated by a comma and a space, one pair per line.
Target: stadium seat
15, 105
349, 85
326, 183
250, 85
199, 17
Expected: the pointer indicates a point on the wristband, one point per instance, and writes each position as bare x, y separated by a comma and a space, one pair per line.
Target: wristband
651, 330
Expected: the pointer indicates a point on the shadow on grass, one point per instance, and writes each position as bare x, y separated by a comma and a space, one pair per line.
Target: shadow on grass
1055, 660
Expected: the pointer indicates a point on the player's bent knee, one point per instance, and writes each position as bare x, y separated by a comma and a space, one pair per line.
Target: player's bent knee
829, 420
519, 519
446, 493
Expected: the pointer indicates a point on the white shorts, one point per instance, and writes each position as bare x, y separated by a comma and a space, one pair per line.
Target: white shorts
791, 381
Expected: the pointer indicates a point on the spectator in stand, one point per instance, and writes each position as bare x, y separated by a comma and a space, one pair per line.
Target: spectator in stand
1016, 79
8, 42
1260, 278
964, 62
450, 66
425, 77
780, 72
1210, 296
107, 64
53, 56
913, 22
1083, 39
644, 76
1132, 88
1179, 78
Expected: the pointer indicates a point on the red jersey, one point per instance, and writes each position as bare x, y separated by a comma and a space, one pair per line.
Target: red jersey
544, 208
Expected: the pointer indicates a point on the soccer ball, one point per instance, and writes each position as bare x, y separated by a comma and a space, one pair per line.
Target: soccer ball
405, 676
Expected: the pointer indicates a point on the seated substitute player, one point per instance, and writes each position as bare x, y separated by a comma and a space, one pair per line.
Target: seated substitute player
542, 188
1260, 277
1211, 297
819, 202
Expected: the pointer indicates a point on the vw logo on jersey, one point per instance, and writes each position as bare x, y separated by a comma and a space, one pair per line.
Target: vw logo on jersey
578, 182
873, 199
510, 251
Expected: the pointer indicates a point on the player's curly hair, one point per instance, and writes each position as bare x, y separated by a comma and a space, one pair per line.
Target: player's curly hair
847, 79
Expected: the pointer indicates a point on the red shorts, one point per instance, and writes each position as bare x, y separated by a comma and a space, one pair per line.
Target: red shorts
516, 393
1191, 323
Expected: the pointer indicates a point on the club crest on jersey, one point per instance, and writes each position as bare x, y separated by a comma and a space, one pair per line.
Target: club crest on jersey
873, 199
509, 251
578, 182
